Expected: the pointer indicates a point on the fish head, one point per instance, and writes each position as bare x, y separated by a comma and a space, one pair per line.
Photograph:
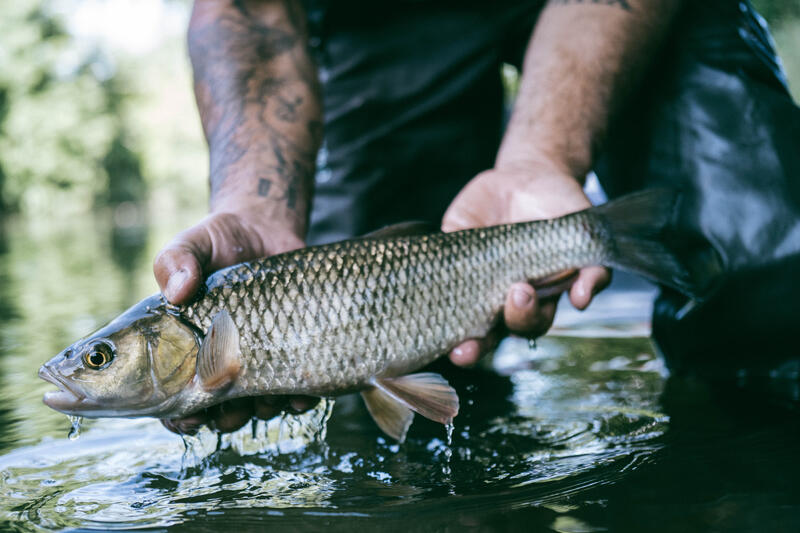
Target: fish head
135, 366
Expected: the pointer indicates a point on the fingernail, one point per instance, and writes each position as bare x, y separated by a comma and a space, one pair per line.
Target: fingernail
174, 284
458, 352
521, 298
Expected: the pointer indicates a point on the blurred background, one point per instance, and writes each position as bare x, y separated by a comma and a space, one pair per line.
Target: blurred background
96, 106
102, 160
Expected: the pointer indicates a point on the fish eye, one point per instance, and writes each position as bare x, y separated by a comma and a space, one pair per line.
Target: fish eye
98, 357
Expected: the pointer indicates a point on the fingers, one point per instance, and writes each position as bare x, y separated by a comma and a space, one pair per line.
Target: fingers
591, 280
470, 208
470, 351
458, 218
185, 426
232, 415
225, 418
467, 353
267, 407
179, 266
525, 314
301, 404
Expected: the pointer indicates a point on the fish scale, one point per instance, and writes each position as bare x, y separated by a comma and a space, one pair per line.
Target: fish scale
330, 318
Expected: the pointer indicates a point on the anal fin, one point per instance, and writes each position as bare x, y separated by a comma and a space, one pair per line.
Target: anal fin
219, 358
426, 393
392, 417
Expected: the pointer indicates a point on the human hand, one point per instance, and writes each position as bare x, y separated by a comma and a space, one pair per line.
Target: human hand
517, 194
219, 240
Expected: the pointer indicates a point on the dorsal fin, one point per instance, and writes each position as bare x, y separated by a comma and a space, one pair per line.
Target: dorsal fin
426, 393
219, 358
392, 417
411, 227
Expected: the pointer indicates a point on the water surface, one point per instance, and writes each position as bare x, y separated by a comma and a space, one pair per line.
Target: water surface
583, 432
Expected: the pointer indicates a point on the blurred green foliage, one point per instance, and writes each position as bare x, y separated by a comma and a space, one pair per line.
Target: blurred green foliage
778, 12
56, 122
83, 125
784, 20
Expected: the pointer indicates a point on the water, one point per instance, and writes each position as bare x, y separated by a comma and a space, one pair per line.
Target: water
75, 429
582, 431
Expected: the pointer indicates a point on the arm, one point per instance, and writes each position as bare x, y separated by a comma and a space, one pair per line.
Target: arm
259, 103
583, 60
258, 99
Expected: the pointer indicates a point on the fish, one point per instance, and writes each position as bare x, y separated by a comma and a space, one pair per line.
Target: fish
360, 315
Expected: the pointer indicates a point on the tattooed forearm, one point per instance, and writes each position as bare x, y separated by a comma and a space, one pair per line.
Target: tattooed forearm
622, 4
257, 93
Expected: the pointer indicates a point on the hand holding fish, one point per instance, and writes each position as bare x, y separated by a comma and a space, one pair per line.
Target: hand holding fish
508, 195
493, 197
219, 240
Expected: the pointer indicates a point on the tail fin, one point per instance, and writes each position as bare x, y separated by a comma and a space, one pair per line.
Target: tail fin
636, 224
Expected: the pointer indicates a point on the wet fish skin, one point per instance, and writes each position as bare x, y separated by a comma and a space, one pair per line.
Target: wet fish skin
328, 319
355, 315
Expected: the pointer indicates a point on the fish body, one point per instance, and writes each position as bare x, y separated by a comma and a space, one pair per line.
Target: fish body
357, 315
328, 319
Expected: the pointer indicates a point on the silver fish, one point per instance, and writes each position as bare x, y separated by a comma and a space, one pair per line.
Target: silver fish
358, 315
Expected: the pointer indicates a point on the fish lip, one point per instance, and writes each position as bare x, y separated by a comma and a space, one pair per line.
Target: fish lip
48, 375
66, 399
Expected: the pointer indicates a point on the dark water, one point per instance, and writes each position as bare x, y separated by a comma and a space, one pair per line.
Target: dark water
585, 432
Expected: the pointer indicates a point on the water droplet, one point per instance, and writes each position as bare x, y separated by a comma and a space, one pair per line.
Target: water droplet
190, 455
327, 411
448, 452
531, 344
281, 432
75, 430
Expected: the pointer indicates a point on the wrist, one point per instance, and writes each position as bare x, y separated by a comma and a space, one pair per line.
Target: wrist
521, 151
536, 170
266, 197
270, 220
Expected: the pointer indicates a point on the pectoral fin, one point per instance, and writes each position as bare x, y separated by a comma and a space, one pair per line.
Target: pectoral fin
392, 417
426, 393
219, 358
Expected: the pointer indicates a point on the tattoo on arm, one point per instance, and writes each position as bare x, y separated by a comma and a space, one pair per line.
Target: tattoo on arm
622, 4
258, 97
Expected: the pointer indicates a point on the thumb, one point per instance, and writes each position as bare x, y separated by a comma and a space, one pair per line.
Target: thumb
459, 216
178, 266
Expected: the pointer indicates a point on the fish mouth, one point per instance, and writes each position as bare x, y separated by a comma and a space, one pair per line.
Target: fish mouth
66, 399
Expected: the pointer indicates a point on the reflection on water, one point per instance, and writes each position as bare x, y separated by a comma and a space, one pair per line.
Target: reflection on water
563, 420
578, 434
